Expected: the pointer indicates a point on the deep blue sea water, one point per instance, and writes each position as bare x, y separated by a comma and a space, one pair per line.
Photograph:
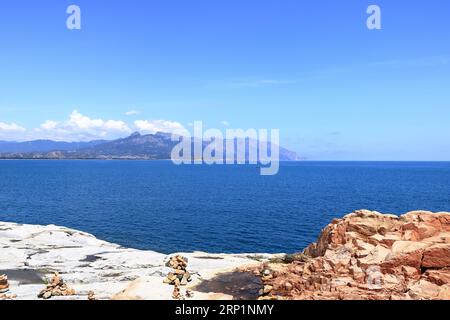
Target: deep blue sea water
158, 206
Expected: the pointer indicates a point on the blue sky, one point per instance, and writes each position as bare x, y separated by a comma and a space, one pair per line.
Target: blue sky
336, 90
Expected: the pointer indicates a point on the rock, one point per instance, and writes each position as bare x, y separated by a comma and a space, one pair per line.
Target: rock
4, 285
337, 259
402, 247
405, 253
437, 256
423, 289
371, 256
177, 262
375, 257
288, 286
89, 264
365, 255
267, 278
439, 277
393, 282
444, 292
363, 228
176, 293
179, 275
179, 272
267, 289
8, 296
56, 288
189, 294
91, 295
267, 272
145, 288
167, 280
410, 272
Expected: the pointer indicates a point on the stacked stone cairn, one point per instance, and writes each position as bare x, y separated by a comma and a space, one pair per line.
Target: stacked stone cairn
266, 276
179, 276
4, 287
91, 296
56, 288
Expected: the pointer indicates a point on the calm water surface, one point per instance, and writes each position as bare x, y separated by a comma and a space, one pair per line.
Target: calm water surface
158, 206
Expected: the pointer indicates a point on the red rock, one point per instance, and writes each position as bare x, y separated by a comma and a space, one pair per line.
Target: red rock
370, 256
405, 253
410, 272
437, 256
439, 277
444, 293
362, 228
424, 290
375, 257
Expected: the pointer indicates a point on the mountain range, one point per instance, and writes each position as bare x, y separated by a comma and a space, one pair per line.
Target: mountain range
135, 147
45, 146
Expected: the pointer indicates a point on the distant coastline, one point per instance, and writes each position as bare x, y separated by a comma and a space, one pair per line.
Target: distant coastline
157, 146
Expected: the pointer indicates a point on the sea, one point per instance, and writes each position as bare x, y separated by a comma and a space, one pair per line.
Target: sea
156, 205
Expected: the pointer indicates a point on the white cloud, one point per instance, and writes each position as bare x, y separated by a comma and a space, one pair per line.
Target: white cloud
154, 126
49, 125
11, 127
131, 113
225, 123
11, 131
82, 128
79, 127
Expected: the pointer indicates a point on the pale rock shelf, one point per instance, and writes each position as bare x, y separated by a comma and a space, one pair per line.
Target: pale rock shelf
30, 254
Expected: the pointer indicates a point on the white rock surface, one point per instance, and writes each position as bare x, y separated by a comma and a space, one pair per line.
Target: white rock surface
29, 254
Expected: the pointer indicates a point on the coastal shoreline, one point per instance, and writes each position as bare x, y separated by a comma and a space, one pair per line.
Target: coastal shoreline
365, 255
31, 254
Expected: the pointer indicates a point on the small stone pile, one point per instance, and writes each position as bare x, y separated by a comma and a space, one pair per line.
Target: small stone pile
4, 285
189, 293
91, 296
266, 276
56, 288
179, 276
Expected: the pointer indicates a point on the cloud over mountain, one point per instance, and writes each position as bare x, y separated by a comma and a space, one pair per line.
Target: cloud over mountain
10, 127
79, 127
82, 128
154, 126
10, 130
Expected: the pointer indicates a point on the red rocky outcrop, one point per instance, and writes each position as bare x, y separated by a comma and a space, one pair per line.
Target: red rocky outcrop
369, 255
